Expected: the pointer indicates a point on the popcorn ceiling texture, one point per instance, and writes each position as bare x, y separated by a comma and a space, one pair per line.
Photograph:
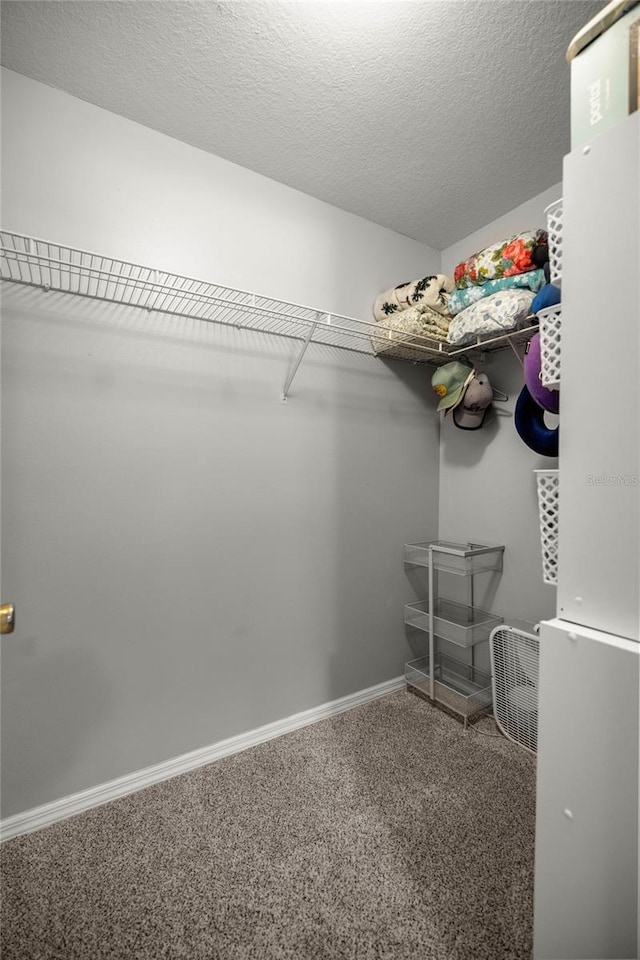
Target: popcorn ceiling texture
430, 118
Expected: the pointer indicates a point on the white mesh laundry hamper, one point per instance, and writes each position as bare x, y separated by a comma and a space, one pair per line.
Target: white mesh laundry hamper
515, 662
553, 214
547, 482
550, 321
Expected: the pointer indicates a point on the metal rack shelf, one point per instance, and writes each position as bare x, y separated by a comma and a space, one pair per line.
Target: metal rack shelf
459, 686
455, 622
55, 266
465, 559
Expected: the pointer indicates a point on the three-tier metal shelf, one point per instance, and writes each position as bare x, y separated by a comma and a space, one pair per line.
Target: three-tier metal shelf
457, 684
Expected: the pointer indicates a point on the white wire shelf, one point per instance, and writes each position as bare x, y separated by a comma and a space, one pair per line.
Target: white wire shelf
55, 266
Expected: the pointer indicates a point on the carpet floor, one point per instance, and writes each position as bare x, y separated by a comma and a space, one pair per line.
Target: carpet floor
385, 832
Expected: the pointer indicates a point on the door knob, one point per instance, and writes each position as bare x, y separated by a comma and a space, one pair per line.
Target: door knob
7, 617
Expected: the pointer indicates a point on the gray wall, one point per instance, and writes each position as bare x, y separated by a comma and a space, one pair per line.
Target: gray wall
189, 557
487, 484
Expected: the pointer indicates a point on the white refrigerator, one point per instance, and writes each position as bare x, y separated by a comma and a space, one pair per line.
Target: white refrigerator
586, 866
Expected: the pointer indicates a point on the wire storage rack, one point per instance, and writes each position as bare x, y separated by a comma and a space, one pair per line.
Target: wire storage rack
454, 682
59, 267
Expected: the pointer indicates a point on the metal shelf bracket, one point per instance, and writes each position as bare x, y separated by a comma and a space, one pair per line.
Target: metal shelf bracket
298, 360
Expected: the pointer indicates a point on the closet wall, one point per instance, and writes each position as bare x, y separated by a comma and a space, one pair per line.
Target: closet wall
487, 484
190, 558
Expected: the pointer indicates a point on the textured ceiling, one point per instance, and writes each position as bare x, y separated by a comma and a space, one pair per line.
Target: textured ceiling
431, 118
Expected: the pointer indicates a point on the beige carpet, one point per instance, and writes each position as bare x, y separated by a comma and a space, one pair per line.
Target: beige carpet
386, 832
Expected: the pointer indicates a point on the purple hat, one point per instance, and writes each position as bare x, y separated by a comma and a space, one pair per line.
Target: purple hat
547, 399
470, 414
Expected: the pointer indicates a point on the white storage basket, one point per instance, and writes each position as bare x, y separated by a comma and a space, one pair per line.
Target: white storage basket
548, 484
550, 320
554, 230
515, 662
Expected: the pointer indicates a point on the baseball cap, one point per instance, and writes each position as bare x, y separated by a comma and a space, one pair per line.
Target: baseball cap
470, 413
449, 382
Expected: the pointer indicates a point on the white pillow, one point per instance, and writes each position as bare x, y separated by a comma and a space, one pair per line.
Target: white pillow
499, 313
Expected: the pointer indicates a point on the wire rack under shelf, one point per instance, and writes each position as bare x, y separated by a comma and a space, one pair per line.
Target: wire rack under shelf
59, 267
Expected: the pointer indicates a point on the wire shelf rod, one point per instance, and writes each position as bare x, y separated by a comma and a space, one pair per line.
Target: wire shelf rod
336, 337
172, 285
187, 303
500, 338
67, 269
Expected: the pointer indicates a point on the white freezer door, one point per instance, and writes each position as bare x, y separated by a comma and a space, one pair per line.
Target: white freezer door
586, 865
599, 510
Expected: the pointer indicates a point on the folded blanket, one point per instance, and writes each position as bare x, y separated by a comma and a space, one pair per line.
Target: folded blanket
430, 292
518, 254
460, 299
398, 333
499, 313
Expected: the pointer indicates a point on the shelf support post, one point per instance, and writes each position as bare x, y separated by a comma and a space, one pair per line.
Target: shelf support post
432, 646
294, 369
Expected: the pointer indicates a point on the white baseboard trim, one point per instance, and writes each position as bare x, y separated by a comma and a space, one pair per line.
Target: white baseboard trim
49, 813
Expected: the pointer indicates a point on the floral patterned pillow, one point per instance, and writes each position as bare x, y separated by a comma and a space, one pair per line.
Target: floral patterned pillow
525, 251
498, 313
